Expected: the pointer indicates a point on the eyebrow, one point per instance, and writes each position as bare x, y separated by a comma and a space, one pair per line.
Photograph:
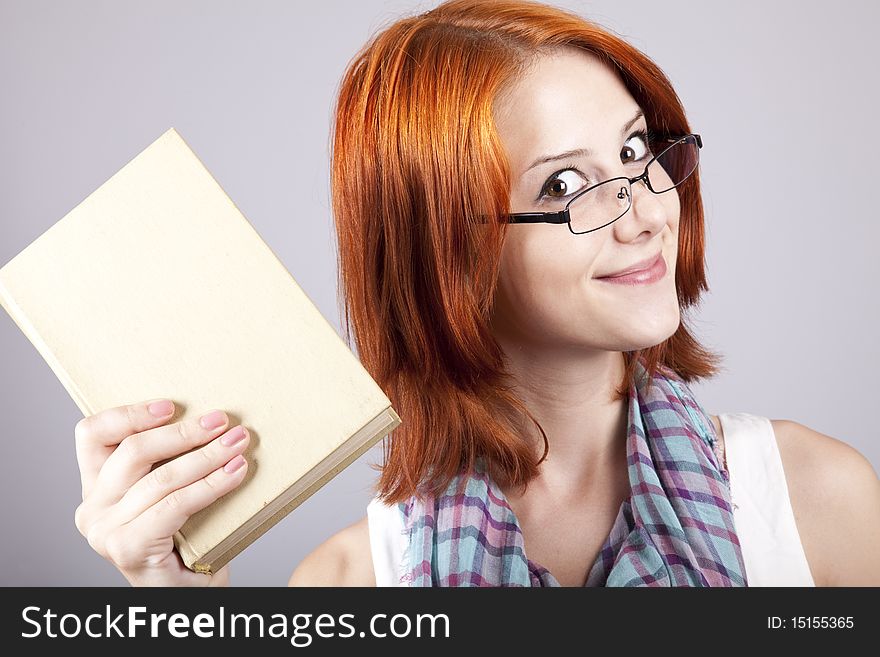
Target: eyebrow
580, 152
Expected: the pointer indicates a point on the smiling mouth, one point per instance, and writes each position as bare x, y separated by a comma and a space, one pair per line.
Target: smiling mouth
654, 272
645, 264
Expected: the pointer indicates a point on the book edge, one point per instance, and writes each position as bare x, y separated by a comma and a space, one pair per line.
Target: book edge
7, 301
215, 559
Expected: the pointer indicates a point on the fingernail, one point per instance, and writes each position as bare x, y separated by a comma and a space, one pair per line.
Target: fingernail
234, 464
234, 436
213, 420
161, 408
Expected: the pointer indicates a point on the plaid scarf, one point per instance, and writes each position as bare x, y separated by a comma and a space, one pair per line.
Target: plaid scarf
675, 528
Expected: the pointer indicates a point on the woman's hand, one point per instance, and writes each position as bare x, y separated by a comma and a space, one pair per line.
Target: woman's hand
131, 511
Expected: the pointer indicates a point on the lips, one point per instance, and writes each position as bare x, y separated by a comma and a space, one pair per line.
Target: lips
639, 266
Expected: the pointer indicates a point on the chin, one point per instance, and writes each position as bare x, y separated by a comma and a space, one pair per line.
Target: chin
650, 329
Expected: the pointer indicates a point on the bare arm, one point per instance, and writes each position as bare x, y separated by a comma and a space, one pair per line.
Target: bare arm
342, 560
835, 496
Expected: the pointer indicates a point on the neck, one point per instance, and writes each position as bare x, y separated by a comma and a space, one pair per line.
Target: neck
571, 393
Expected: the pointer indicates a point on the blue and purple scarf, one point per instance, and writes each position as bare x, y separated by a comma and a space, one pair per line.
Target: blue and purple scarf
675, 528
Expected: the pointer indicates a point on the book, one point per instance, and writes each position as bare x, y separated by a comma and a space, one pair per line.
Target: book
157, 286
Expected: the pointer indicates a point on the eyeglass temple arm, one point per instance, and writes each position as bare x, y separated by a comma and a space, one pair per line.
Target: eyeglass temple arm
538, 218
697, 137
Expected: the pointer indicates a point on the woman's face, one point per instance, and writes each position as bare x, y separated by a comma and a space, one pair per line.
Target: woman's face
548, 289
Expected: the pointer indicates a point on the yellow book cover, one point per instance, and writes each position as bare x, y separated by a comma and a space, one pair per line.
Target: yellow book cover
156, 285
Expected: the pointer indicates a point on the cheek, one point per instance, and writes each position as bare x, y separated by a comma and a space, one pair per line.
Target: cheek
543, 276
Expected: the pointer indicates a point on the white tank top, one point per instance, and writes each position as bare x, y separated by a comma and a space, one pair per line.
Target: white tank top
762, 513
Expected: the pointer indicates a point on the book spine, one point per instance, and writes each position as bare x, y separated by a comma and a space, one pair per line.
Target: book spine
187, 554
215, 562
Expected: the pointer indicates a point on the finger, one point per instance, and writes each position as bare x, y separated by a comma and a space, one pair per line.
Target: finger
169, 514
155, 484
181, 471
98, 435
137, 454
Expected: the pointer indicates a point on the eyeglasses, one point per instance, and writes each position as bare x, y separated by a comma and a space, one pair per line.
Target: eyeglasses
604, 203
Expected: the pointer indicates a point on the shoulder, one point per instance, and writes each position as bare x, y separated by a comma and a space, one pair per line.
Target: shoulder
344, 559
835, 497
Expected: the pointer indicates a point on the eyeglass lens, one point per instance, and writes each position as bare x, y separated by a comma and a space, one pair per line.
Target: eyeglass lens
609, 201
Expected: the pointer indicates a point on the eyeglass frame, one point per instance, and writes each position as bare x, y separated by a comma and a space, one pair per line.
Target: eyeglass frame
564, 217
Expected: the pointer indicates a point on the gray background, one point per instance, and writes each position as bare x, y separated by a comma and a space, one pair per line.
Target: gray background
780, 91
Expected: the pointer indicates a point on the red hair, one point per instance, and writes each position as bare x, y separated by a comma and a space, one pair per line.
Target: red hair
415, 161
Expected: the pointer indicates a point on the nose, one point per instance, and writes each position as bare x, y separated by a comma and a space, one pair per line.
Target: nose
646, 211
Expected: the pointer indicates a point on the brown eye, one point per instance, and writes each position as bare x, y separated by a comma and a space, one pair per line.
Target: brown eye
563, 184
638, 154
557, 187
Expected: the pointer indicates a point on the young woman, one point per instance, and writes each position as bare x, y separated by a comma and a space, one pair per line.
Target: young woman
517, 201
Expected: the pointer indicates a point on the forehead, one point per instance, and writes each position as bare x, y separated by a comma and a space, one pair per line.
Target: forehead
563, 97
